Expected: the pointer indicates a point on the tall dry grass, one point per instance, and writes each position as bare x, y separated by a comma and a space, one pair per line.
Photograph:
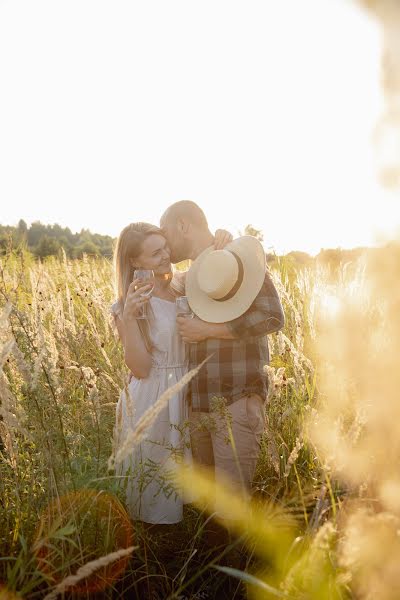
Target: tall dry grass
326, 485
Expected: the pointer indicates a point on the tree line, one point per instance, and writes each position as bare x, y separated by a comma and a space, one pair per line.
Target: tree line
47, 240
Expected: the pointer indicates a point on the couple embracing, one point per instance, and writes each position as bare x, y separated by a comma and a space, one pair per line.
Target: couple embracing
234, 305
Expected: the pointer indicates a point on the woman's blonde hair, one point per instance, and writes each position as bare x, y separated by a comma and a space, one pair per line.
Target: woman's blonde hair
127, 249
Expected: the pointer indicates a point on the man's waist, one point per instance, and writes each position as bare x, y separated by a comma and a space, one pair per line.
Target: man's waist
212, 386
205, 399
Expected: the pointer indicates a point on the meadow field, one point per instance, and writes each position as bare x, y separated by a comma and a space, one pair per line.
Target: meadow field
324, 520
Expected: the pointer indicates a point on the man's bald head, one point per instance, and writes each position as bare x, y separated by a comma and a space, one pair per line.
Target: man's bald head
181, 223
186, 210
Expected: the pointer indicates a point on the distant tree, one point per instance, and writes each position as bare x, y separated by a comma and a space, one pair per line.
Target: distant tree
20, 235
36, 231
46, 246
330, 257
270, 258
22, 227
86, 247
250, 230
11, 239
300, 258
105, 244
6, 239
66, 244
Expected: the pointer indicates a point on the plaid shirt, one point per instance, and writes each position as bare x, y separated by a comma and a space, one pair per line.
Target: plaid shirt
236, 366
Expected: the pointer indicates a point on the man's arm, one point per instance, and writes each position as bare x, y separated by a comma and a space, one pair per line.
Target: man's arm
264, 316
196, 330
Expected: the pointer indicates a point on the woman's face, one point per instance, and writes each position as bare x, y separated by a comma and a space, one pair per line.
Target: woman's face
155, 255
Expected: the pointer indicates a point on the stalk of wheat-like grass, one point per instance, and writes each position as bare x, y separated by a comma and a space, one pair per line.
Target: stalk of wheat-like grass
136, 435
87, 570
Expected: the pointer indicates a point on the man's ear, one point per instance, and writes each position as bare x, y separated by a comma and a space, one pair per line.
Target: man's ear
184, 226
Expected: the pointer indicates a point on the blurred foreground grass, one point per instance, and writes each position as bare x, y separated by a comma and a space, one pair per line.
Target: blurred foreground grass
327, 477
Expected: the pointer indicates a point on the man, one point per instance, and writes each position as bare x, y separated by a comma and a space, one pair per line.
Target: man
238, 350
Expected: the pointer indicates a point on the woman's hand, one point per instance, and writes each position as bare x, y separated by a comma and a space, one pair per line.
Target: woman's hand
222, 238
134, 299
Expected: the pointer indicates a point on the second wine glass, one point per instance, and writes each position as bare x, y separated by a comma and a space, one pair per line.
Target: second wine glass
183, 308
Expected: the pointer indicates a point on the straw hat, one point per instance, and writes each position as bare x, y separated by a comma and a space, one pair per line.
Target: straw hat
222, 284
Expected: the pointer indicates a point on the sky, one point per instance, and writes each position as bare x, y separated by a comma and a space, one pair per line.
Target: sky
262, 112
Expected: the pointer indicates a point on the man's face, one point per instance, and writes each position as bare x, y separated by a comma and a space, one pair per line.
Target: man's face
175, 237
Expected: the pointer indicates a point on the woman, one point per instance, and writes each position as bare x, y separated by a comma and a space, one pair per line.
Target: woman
155, 355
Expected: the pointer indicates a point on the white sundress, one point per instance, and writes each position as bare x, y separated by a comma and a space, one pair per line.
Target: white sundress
150, 496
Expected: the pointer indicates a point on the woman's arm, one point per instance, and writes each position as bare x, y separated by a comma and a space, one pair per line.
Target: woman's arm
137, 358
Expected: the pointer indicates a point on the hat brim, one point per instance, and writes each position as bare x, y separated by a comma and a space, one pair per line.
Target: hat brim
252, 255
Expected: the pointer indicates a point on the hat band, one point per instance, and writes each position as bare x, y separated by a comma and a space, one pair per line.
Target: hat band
238, 283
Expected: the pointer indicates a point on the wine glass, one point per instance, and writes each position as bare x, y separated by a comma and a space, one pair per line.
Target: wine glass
147, 277
183, 308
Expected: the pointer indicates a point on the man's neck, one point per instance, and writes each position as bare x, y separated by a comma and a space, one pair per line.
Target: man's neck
200, 243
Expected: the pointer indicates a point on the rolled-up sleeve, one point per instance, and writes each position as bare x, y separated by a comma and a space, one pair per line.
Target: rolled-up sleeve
264, 316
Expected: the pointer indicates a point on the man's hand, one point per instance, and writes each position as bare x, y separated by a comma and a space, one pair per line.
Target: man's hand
222, 238
196, 330
192, 330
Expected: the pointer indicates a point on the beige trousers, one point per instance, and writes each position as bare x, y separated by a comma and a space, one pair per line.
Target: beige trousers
212, 443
